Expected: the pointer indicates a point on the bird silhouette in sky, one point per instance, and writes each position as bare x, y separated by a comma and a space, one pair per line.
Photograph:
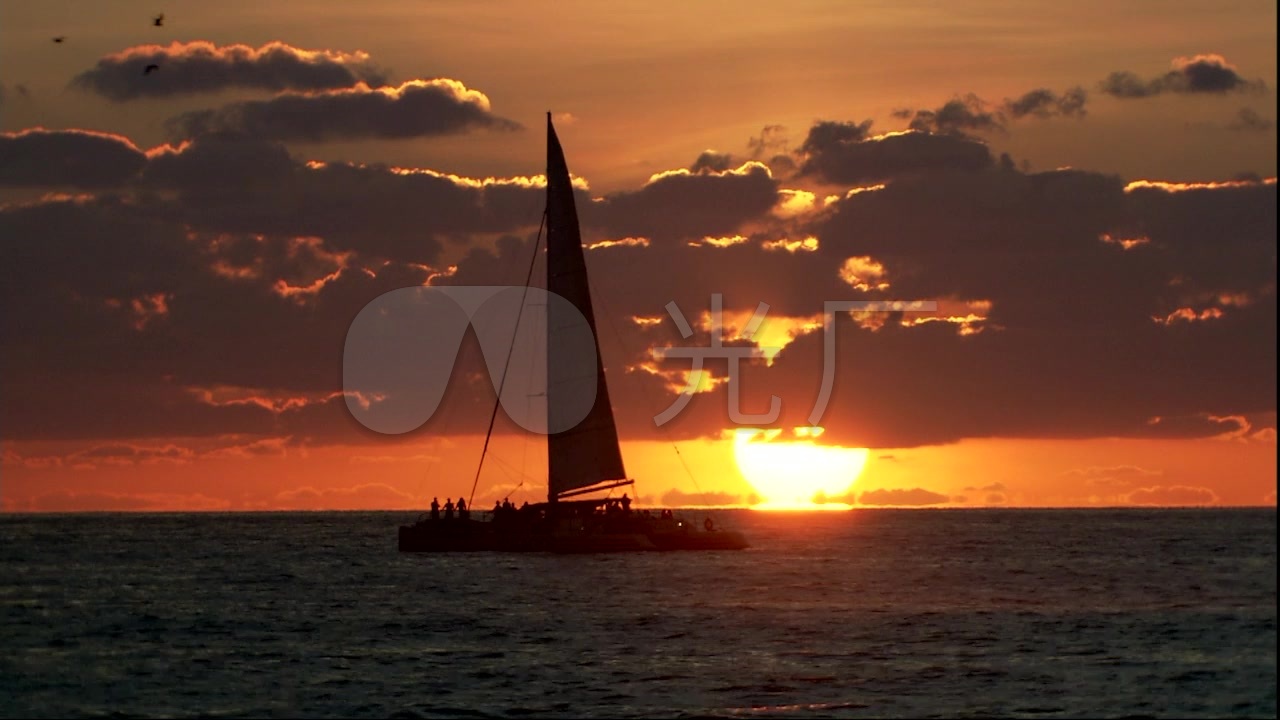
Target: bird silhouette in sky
60, 38
159, 20
150, 69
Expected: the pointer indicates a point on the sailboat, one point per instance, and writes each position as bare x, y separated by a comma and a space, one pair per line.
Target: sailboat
585, 459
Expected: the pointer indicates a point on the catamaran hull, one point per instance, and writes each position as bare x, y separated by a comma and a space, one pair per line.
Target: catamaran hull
477, 537
601, 543
446, 536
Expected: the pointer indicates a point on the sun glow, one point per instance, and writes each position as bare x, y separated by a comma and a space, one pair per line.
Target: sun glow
791, 474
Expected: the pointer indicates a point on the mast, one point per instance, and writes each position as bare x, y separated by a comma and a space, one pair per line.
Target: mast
586, 457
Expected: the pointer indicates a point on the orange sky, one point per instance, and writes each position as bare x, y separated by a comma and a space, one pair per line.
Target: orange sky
1225, 471
181, 279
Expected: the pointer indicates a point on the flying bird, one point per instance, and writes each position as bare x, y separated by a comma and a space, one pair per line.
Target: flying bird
60, 38
159, 20
150, 69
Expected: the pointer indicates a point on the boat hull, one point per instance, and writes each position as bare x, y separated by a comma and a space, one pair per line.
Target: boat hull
601, 543
436, 536
446, 536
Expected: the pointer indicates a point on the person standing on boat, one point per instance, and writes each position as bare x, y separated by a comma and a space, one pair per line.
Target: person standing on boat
435, 508
463, 513
626, 503
448, 509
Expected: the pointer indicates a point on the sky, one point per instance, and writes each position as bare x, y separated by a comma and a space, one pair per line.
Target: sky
1082, 196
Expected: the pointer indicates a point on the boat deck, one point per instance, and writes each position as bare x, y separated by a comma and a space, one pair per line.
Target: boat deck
535, 532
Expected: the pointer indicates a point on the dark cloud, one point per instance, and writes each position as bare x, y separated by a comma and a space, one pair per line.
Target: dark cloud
418, 108
773, 147
683, 205
1044, 103
1201, 74
713, 161
1124, 84
156, 313
915, 497
960, 116
1021, 246
842, 153
769, 148
782, 166
67, 158
211, 294
971, 115
1250, 120
228, 183
222, 162
827, 134
235, 184
771, 142
202, 67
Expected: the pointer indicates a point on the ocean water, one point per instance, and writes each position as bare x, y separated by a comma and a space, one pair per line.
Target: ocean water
884, 613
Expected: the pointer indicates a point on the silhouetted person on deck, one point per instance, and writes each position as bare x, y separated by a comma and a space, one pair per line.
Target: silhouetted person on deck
448, 509
463, 512
435, 508
626, 503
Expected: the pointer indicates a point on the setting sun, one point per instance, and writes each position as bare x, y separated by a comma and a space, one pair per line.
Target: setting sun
789, 474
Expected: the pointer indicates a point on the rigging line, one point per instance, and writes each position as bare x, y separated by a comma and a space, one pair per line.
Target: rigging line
533, 371
505, 471
450, 409
524, 448
626, 350
434, 460
511, 470
514, 490
511, 473
510, 351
